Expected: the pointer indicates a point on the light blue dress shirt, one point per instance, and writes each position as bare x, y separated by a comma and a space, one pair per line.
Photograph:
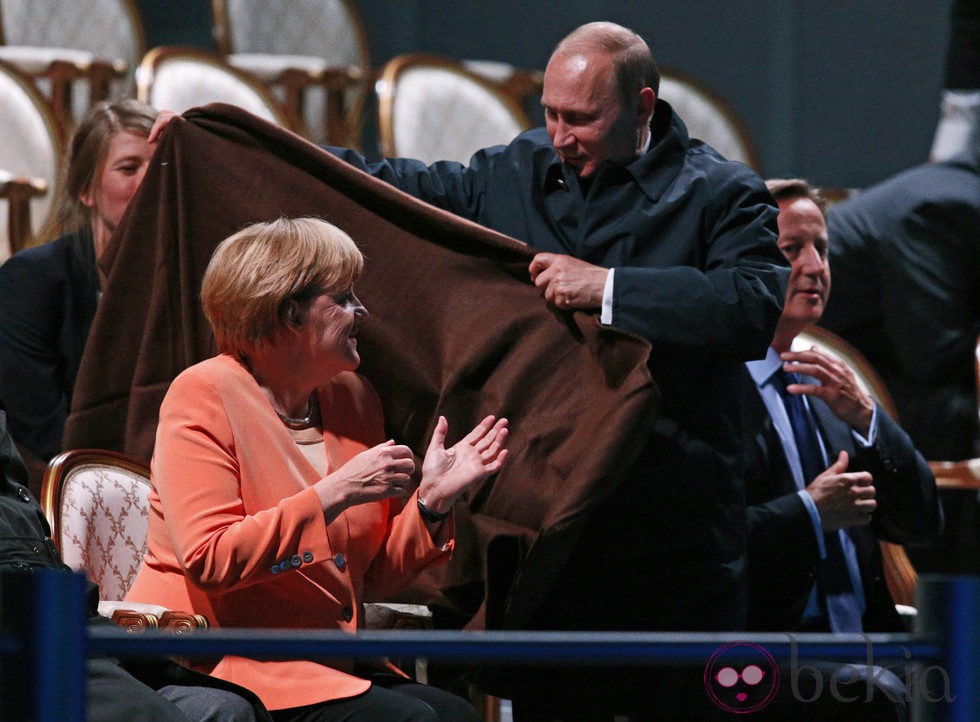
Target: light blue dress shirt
762, 372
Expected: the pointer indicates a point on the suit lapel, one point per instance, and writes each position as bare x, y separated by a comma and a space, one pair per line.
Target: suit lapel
836, 434
776, 478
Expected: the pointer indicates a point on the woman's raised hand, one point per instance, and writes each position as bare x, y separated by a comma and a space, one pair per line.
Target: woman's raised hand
448, 473
162, 121
378, 473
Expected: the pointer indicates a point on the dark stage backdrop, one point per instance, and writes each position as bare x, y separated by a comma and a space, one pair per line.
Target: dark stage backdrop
842, 93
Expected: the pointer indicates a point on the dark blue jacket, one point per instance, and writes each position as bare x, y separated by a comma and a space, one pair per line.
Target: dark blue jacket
48, 296
692, 239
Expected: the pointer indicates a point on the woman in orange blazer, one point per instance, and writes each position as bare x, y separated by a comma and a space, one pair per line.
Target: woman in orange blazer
277, 502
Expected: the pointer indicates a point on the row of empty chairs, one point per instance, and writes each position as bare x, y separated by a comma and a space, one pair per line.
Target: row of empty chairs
430, 107
304, 65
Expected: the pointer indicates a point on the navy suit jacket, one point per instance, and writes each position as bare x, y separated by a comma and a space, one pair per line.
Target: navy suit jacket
48, 296
905, 256
783, 551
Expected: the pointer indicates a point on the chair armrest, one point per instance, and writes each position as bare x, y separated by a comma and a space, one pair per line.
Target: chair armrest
382, 615
957, 474
18, 190
135, 617
182, 622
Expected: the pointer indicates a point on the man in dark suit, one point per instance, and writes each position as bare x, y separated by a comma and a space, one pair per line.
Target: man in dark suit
657, 235
906, 258
867, 480
827, 474
660, 236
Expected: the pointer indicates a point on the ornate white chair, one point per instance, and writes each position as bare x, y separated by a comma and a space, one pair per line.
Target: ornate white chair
77, 52
97, 503
432, 108
900, 575
708, 117
177, 78
313, 54
522, 84
30, 153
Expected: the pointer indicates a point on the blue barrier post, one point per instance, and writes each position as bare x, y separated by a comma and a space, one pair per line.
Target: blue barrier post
949, 614
44, 677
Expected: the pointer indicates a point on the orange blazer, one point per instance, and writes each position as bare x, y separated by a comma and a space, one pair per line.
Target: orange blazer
236, 532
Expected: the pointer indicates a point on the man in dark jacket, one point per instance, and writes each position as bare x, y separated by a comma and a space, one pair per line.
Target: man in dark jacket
906, 260
665, 239
112, 692
828, 472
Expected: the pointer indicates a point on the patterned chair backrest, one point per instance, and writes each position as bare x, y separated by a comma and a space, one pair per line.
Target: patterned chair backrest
431, 108
29, 146
97, 503
177, 78
708, 117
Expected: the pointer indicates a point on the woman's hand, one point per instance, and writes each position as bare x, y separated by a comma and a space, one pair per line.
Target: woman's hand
447, 473
378, 473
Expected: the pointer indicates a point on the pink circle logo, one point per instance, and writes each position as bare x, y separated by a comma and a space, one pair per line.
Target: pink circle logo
741, 677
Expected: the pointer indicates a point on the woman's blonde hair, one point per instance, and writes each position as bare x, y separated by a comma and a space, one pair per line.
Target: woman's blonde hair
257, 274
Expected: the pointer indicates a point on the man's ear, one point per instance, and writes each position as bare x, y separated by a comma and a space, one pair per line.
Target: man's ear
647, 99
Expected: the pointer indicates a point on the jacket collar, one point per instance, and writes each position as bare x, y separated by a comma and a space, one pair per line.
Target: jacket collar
654, 170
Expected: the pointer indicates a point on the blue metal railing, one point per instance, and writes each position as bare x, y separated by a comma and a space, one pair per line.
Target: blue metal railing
52, 643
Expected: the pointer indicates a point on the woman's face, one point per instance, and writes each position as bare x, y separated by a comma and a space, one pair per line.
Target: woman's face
330, 326
115, 183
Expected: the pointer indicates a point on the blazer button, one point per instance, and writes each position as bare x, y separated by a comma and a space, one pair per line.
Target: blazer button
295, 560
340, 561
307, 557
347, 614
23, 494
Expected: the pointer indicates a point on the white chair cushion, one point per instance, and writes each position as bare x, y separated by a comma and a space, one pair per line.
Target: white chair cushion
104, 28
107, 608
267, 67
36, 59
103, 525
441, 115
491, 69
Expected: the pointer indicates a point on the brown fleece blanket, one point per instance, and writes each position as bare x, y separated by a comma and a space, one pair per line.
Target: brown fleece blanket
456, 328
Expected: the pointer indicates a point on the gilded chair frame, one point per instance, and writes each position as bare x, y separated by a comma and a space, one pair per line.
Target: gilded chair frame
52, 487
